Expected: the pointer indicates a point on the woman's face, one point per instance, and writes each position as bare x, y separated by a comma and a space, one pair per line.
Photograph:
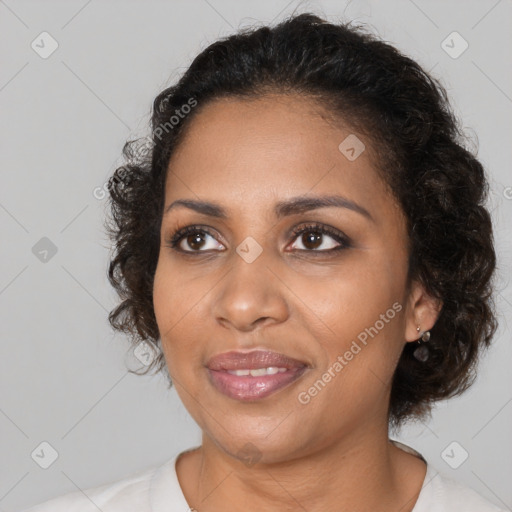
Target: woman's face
335, 302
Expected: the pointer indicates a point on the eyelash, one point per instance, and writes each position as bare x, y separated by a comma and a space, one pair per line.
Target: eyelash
174, 240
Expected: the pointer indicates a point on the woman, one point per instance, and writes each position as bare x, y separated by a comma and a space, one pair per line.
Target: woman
304, 245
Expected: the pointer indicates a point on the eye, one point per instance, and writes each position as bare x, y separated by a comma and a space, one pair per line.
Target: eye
312, 238
195, 237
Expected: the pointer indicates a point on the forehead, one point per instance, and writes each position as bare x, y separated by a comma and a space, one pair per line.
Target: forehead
264, 149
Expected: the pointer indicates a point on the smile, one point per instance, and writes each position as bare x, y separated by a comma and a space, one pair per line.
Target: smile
258, 372
254, 384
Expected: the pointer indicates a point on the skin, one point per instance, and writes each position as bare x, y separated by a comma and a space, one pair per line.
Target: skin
332, 453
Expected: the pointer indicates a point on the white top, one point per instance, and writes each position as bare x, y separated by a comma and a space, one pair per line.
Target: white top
157, 489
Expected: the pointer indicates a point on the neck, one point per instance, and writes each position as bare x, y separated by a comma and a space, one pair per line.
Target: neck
362, 471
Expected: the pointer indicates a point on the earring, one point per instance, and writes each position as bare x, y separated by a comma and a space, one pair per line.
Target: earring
422, 352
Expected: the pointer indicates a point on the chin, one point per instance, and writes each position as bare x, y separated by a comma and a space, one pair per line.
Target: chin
253, 447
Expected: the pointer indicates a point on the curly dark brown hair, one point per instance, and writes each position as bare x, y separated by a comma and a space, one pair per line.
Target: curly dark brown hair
422, 156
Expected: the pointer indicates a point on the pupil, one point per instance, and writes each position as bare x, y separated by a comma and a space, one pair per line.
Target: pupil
195, 241
312, 239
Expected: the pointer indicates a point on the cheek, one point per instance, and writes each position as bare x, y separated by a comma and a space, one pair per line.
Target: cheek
173, 304
354, 295
358, 353
163, 298
175, 294
360, 319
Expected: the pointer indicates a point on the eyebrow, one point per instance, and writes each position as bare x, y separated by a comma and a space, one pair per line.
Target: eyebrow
286, 208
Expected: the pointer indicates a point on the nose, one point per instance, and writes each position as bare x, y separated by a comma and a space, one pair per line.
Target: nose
250, 295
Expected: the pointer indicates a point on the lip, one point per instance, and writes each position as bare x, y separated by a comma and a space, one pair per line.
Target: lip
249, 388
236, 360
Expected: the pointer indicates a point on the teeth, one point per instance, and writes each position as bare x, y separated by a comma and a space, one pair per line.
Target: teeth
258, 372
239, 373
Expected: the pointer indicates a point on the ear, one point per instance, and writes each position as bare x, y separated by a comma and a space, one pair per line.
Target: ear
422, 310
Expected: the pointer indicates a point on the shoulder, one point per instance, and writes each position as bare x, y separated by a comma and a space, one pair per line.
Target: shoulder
441, 493
131, 493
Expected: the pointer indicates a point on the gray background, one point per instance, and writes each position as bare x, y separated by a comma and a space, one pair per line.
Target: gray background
64, 120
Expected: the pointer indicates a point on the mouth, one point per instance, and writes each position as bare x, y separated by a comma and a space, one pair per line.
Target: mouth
253, 375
